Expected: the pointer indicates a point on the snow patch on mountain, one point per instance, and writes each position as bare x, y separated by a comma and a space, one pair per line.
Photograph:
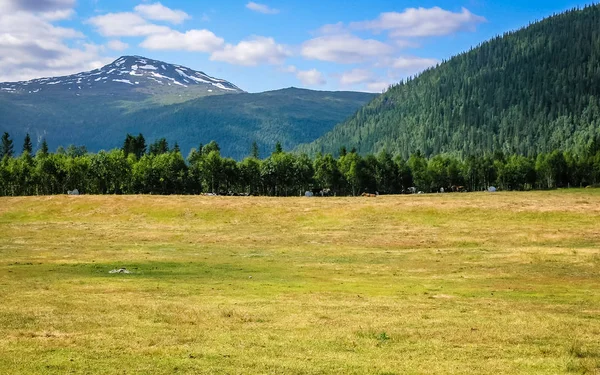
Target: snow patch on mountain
122, 80
120, 71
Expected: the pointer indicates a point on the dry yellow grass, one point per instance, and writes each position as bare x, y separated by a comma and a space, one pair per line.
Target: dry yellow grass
503, 283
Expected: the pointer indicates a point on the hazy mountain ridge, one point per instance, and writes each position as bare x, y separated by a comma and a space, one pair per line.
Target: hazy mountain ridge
140, 95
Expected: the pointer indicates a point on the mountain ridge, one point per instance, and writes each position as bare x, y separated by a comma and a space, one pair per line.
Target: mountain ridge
100, 116
137, 72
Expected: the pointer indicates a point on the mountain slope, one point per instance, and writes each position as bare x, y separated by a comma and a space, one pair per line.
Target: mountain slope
291, 116
530, 91
126, 75
137, 94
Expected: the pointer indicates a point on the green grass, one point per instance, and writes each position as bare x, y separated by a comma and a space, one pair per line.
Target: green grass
505, 283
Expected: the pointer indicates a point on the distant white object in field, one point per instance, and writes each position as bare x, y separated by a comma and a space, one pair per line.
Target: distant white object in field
441, 190
308, 194
492, 189
120, 270
73, 192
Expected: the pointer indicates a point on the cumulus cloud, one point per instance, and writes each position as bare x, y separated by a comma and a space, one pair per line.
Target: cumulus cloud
125, 24
378, 86
157, 37
311, 77
31, 46
356, 76
117, 45
192, 40
251, 52
422, 22
261, 8
36, 5
159, 12
346, 49
332, 28
137, 23
412, 64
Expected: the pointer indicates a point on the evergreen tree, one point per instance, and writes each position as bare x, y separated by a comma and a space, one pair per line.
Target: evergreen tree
27, 146
7, 146
128, 145
255, 153
160, 146
140, 146
43, 150
278, 148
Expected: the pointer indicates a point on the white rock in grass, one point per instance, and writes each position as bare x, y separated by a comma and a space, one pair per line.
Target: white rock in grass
120, 270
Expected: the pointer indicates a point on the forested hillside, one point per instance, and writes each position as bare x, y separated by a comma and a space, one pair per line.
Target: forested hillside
530, 91
290, 116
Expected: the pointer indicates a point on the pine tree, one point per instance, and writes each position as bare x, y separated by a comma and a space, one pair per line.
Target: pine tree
7, 146
140, 146
255, 153
159, 147
27, 146
43, 150
128, 145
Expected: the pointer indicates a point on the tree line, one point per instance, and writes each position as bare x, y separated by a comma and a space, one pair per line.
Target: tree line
158, 168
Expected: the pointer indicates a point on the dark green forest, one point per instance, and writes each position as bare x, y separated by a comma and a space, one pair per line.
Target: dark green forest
159, 168
527, 92
291, 116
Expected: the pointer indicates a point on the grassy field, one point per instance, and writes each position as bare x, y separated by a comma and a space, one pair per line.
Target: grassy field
505, 283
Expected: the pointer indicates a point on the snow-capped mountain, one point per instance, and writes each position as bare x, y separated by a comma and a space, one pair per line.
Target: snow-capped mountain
127, 73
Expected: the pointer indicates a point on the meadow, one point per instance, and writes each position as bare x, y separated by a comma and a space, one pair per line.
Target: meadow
477, 283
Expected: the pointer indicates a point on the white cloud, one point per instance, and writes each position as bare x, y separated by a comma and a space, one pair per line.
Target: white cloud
117, 45
158, 37
136, 23
332, 28
311, 77
346, 49
31, 46
192, 40
251, 52
125, 24
159, 12
289, 69
36, 5
378, 86
57, 15
356, 76
261, 8
422, 22
412, 64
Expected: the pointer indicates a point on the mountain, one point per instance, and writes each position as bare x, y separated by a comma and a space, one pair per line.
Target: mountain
291, 116
127, 75
529, 91
136, 94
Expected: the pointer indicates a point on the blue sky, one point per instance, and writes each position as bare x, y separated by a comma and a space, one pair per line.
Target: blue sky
261, 45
